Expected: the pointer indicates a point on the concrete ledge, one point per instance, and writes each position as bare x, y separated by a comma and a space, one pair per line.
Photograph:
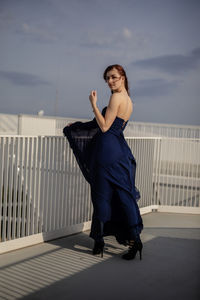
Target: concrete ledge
148, 209
179, 209
34, 239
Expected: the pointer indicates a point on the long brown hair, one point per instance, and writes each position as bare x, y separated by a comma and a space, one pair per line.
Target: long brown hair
121, 71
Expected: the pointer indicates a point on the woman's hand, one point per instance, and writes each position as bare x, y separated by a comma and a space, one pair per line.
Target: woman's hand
93, 98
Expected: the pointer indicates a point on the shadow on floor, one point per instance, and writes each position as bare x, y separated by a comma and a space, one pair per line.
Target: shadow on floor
169, 270
67, 270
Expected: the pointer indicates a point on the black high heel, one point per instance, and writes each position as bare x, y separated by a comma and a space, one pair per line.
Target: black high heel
134, 247
98, 248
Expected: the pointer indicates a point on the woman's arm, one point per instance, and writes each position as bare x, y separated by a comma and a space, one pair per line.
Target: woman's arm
111, 111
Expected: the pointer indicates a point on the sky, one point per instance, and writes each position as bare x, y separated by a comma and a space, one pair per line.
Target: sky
54, 52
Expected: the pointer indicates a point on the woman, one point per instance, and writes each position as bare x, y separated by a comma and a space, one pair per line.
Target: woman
109, 166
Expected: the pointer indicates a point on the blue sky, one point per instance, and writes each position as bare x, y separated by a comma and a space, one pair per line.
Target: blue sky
64, 46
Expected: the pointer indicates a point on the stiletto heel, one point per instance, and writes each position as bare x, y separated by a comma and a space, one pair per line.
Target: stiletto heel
98, 248
133, 249
102, 253
140, 254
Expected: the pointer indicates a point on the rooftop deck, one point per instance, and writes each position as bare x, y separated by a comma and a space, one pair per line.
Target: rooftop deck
65, 268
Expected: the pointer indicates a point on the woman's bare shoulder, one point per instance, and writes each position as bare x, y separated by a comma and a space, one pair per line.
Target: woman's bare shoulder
115, 98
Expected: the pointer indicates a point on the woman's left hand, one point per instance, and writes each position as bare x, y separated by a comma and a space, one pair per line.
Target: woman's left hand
93, 97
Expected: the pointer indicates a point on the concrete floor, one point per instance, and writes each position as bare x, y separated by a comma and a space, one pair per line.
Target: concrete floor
65, 268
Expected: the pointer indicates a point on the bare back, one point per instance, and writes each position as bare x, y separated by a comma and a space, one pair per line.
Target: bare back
120, 105
125, 108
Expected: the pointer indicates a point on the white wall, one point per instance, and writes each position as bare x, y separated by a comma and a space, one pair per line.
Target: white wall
8, 124
30, 125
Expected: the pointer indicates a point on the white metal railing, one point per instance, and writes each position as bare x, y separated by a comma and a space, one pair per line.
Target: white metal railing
162, 130
179, 174
38, 187
42, 189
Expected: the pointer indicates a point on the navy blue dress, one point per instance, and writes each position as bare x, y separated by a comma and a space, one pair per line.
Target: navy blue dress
109, 166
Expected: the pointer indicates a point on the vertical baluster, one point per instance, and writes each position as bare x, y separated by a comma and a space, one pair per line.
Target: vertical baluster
171, 173
39, 186
29, 204
19, 191
15, 185
75, 194
184, 170
196, 174
181, 193
43, 182
46, 185
56, 198
65, 184
70, 198
24, 201
10, 187
33, 183
58, 193
2, 172
190, 174
5, 185
54, 183
62, 179
51, 183
156, 174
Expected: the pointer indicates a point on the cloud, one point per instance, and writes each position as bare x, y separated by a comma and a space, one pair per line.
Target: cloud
173, 64
25, 79
40, 33
154, 87
127, 33
100, 39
